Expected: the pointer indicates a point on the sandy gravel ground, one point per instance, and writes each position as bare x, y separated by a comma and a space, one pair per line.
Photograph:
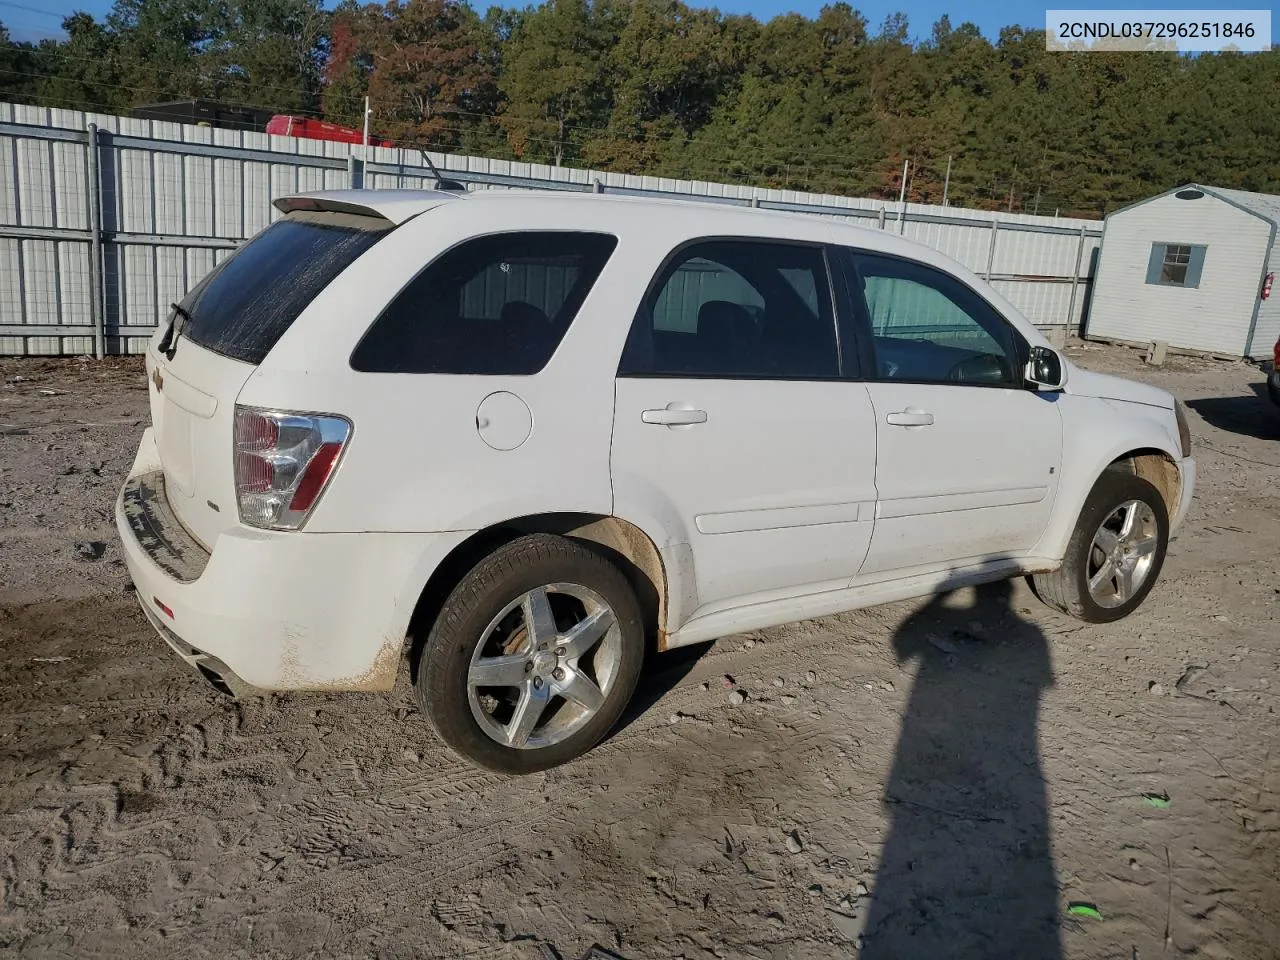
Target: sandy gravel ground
927, 779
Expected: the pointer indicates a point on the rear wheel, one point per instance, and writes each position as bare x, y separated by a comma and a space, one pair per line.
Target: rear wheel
1115, 553
534, 656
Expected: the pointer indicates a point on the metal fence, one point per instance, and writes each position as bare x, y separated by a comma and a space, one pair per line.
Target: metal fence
104, 221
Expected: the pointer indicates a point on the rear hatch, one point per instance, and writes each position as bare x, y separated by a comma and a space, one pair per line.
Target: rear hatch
218, 335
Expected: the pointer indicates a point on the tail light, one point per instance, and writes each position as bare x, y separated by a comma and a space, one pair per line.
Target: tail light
283, 461
1275, 355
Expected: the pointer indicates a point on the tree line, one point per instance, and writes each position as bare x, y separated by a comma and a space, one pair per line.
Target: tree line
830, 104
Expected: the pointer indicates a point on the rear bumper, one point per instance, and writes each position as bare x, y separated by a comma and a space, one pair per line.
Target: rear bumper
274, 611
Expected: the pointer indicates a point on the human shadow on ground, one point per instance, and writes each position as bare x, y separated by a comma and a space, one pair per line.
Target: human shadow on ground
967, 869
1251, 416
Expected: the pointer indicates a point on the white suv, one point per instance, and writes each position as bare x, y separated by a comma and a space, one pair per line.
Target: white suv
521, 438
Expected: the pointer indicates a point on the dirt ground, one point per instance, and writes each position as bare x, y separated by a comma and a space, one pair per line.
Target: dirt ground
931, 779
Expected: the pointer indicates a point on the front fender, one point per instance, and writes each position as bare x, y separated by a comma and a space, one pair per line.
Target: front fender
1096, 433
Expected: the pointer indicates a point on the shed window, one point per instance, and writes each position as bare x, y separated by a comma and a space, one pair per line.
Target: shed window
1175, 264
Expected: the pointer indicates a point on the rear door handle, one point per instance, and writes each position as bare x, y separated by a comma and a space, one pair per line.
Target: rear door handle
674, 416
909, 417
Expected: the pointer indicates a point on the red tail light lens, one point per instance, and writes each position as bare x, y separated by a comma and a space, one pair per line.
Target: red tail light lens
283, 461
253, 473
315, 476
1275, 355
255, 431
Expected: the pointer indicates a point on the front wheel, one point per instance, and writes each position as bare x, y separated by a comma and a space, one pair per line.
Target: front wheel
1115, 552
534, 656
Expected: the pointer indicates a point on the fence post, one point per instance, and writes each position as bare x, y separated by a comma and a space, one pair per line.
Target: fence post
355, 171
1075, 281
880, 219
902, 219
991, 249
97, 295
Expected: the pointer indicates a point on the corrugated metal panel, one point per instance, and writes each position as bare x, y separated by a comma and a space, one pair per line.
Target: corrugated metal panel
135, 190
1044, 304
157, 192
12, 298
170, 199
171, 279
40, 285
1213, 317
963, 244
35, 183
74, 284
70, 181
197, 210
9, 180
1036, 254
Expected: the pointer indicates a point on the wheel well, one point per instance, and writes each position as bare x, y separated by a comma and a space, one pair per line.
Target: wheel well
1158, 469
623, 543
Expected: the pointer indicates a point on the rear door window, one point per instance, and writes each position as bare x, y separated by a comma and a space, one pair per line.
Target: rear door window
246, 303
498, 304
737, 309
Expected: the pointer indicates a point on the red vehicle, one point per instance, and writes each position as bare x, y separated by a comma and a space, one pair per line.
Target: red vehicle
283, 125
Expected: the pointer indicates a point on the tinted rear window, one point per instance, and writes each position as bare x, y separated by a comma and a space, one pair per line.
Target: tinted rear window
247, 302
498, 304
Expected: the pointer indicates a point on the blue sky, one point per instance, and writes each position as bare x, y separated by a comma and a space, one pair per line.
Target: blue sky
32, 19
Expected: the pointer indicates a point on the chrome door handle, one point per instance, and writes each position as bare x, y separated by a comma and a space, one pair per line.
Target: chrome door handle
674, 416
909, 418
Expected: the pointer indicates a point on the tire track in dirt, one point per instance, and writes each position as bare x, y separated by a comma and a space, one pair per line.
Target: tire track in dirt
139, 802
516, 813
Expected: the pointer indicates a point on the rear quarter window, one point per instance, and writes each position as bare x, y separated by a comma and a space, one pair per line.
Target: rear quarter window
247, 302
498, 304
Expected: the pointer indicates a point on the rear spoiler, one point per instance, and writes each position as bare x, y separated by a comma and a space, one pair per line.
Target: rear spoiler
390, 205
326, 205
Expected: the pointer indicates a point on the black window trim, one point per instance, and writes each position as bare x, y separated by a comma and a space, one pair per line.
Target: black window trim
843, 357
617, 240
864, 336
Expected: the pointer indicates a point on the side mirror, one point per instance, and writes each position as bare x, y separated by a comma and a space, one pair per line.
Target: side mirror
1046, 369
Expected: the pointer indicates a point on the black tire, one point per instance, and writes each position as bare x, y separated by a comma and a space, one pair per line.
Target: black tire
1066, 588
441, 683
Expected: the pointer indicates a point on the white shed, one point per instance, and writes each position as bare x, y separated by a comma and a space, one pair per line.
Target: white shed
1190, 267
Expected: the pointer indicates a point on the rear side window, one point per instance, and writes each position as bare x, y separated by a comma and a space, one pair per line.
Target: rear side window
498, 304
246, 303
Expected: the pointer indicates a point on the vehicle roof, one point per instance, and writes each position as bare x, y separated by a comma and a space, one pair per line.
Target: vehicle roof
399, 206
701, 218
